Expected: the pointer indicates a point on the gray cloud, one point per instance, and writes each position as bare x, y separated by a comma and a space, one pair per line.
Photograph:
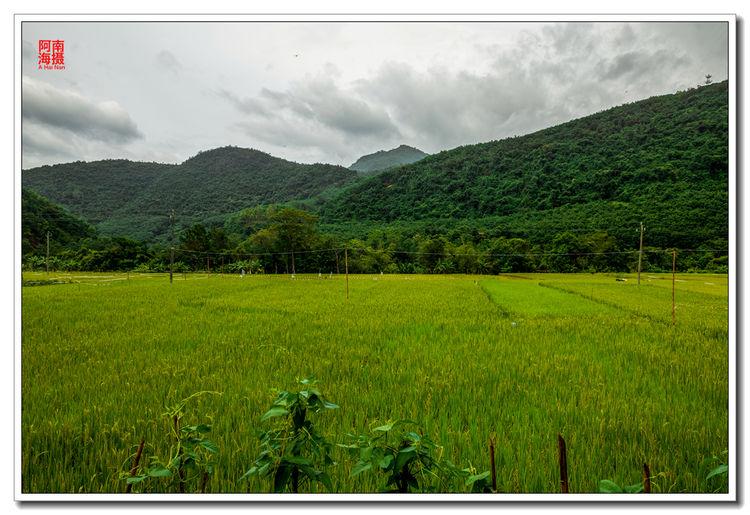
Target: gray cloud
28, 51
107, 121
316, 114
168, 61
351, 89
38, 140
639, 63
249, 106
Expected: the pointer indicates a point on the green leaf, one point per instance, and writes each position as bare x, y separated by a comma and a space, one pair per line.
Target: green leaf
209, 446
721, 469
297, 460
326, 480
476, 477
609, 487
404, 456
361, 467
633, 489
249, 473
200, 428
330, 405
276, 411
387, 427
136, 479
414, 437
365, 453
160, 472
386, 461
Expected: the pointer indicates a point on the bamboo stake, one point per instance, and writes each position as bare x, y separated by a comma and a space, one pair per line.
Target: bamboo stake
346, 266
492, 464
646, 479
563, 456
134, 468
674, 268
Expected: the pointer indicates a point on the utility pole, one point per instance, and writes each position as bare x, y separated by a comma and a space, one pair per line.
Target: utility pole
346, 267
46, 262
674, 268
171, 249
640, 255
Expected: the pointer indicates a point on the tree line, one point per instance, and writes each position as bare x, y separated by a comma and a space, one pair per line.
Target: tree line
287, 240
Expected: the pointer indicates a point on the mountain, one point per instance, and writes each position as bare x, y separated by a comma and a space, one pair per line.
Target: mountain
384, 159
663, 160
134, 199
40, 216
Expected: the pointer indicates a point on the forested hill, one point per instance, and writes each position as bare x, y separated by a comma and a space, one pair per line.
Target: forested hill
41, 216
132, 198
384, 159
662, 160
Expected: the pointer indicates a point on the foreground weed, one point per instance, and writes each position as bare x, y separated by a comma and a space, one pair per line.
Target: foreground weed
190, 463
607, 486
293, 450
410, 461
718, 477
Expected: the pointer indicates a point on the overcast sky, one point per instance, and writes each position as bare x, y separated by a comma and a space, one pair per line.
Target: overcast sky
331, 92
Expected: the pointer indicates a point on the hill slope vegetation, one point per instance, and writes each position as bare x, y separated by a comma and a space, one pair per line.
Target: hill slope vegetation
131, 198
662, 161
41, 216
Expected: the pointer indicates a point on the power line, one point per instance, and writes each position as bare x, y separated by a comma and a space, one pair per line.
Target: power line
446, 254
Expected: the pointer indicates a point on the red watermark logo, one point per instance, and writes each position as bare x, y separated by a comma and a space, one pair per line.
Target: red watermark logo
51, 54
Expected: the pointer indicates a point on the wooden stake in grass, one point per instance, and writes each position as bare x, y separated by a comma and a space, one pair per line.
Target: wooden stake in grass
492, 463
640, 255
180, 467
646, 479
563, 457
204, 482
674, 268
136, 460
346, 267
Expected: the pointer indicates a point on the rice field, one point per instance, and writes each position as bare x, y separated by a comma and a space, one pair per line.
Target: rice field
523, 357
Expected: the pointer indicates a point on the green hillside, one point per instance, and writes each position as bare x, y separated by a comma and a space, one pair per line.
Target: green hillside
40, 216
384, 159
662, 160
134, 199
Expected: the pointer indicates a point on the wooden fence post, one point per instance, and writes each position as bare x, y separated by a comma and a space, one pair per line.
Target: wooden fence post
646, 479
563, 457
492, 464
134, 468
346, 266
674, 268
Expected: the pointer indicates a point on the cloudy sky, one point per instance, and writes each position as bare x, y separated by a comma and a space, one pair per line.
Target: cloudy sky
331, 92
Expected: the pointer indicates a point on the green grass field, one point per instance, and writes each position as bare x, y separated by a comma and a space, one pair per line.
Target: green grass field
523, 356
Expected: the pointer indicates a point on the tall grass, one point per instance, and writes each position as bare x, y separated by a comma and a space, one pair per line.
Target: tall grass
524, 357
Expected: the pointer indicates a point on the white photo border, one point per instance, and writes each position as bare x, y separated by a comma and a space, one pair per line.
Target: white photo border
730, 19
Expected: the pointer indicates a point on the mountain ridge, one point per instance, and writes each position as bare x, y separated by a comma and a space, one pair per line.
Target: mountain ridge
385, 159
132, 198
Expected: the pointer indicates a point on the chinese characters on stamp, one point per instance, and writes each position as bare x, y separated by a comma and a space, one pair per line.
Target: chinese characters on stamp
51, 54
